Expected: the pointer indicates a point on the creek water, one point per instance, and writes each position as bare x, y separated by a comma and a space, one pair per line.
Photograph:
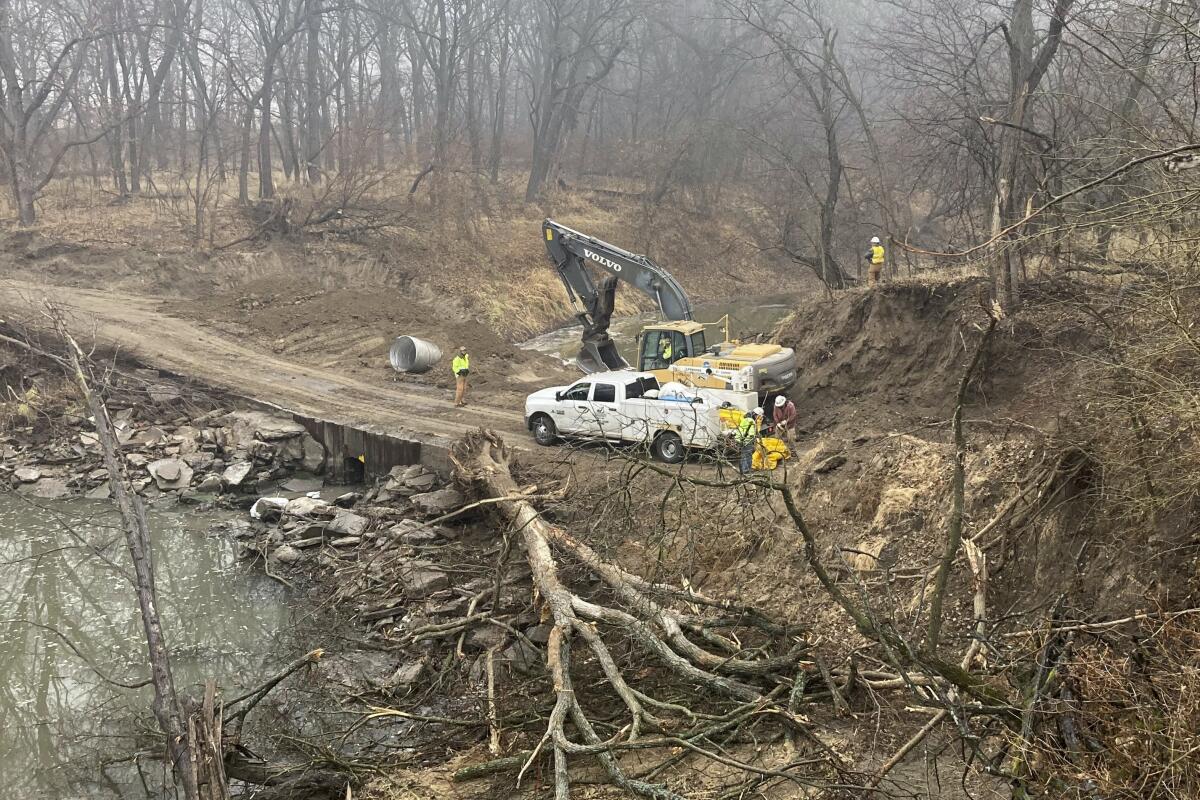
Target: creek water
747, 318
64, 731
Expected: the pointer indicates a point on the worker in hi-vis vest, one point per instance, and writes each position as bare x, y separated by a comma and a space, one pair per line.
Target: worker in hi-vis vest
875, 257
461, 367
747, 439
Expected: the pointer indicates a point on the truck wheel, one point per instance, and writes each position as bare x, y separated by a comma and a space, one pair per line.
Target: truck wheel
544, 432
668, 448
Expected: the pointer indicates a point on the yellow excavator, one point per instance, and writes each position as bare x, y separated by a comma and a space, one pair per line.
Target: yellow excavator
675, 350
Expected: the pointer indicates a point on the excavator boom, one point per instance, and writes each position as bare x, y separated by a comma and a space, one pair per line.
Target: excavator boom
569, 250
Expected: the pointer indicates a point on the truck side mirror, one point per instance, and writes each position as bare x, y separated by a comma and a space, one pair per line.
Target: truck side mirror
558, 397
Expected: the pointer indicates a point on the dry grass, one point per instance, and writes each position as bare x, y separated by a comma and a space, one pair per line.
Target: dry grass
478, 248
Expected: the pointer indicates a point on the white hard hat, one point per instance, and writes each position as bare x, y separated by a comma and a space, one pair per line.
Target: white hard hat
780, 401
757, 412
874, 240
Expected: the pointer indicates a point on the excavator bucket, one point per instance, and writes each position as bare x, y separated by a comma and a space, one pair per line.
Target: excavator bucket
600, 357
599, 351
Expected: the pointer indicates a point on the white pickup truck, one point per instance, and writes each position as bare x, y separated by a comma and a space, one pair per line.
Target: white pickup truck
626, 406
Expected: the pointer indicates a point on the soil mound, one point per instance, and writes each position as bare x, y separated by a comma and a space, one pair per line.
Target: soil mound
893, 356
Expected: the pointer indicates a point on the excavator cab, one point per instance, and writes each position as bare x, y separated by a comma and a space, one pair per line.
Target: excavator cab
663, 345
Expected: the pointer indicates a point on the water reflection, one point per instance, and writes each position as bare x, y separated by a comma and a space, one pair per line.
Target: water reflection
66, 732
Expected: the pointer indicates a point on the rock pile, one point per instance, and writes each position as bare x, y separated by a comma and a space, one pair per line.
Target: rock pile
401, 556
389, 515
193, 457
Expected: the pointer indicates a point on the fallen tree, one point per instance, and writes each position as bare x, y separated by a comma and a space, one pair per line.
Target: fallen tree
643, 612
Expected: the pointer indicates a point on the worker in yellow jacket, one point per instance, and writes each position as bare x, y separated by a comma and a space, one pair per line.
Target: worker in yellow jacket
875, 258
461, 367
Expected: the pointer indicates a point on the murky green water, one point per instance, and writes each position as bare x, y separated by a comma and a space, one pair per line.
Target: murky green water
746, 319
64, 731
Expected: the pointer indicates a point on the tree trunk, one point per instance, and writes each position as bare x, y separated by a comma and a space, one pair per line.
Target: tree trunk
312, 91
266, 180
167, 708
244, 161
499, 107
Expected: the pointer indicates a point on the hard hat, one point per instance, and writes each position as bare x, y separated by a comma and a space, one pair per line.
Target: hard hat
874, 240
779, 401
462, 349
758, 412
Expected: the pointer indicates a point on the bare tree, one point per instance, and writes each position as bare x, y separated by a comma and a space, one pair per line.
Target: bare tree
571, 48
41, 57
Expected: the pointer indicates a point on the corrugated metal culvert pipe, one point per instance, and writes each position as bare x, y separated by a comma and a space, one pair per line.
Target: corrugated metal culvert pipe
410, 354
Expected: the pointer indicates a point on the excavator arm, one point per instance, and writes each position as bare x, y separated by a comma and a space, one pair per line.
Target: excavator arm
569, 251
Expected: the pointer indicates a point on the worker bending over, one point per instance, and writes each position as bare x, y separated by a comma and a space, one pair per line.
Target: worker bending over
461, 367
784, 418
747, 439
875, 257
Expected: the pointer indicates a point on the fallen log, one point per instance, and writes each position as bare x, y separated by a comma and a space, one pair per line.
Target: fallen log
482, 465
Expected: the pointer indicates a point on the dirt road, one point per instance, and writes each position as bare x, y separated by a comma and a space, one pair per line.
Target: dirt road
138, 326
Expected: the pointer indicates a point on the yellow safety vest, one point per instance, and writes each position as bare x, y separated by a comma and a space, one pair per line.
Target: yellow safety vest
667, 351
746, 430
460, 363
876, 254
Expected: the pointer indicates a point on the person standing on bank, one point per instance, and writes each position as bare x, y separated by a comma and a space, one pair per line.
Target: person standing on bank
461, 367
784, 418
875, 259
747, 439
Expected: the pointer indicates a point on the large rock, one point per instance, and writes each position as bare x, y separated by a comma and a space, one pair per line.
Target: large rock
313, 459
435, 504
170, 473
347, 523
268, 509
523, 658
101, 492
46, 488
163, 393
406, 675
290, 450
188, 439
262, 452
302, 485
210, 484
286, 554
422, 578
306, 507
249, 425
421, 483
409, 531
149, 437
485, 637
27, 474
236, 473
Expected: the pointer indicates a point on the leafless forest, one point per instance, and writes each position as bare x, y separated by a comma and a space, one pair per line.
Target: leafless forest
944, 124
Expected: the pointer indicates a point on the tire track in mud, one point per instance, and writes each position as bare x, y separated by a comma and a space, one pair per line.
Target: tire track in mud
137, 326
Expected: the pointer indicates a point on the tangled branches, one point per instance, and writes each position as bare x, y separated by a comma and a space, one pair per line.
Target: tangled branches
645, 613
